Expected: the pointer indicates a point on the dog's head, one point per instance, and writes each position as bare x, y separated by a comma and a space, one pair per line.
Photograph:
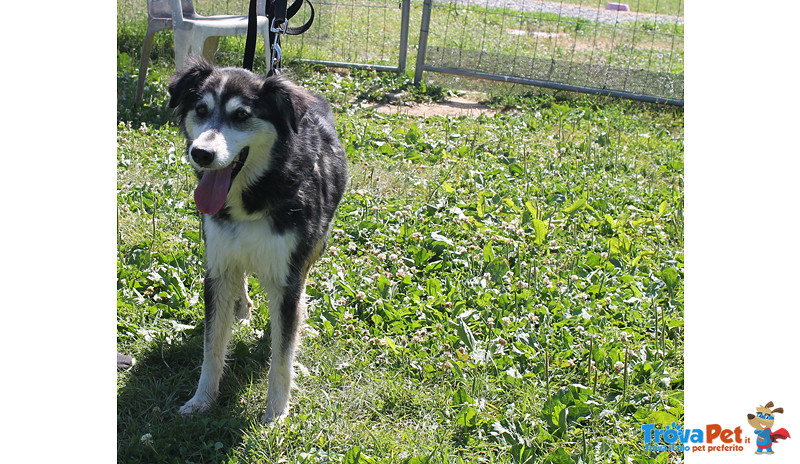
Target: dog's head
764, 418
231, 119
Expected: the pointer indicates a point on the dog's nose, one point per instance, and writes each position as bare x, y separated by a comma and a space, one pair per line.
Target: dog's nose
202, 157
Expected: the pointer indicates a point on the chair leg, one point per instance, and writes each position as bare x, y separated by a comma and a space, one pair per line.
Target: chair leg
198, 47
144, 62
183, 41
210, 49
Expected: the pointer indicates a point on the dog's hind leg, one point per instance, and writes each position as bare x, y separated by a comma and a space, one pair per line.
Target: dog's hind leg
287, 314
221, 294
244, 305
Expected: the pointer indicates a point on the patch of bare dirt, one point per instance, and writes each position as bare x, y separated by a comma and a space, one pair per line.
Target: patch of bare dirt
468, 105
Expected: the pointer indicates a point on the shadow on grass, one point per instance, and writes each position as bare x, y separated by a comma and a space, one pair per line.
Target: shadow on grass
149, 428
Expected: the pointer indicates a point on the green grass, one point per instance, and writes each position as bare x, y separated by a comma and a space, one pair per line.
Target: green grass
498, 289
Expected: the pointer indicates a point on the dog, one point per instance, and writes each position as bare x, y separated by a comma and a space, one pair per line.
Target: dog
271, 172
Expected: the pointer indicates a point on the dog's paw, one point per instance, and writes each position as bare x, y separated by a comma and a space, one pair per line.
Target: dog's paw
271, 418
194, 405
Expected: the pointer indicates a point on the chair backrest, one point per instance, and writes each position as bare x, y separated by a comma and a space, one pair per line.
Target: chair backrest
162, 9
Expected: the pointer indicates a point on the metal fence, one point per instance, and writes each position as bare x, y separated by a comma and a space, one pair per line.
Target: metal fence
370, 34
578, 46
582, 46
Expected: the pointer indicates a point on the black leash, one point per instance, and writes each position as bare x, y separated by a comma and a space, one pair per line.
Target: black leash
278, 15
250, 44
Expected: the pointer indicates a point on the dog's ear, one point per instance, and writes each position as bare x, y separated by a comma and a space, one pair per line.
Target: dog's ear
780, 410
768, 405
184, 84
287, 100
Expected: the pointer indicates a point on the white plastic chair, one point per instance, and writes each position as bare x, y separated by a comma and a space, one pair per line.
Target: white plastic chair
194, 34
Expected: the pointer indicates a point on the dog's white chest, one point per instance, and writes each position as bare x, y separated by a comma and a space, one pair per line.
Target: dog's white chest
249, 246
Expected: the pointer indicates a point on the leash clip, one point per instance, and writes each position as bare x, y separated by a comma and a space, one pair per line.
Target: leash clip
276, 54
281, 29
276, 46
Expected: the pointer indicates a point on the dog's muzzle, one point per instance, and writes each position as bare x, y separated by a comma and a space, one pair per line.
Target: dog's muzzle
212, 191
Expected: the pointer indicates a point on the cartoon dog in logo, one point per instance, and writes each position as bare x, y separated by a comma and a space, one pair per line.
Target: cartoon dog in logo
762, 421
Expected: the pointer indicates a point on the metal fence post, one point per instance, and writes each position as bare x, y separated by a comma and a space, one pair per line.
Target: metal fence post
404, 20
423, 39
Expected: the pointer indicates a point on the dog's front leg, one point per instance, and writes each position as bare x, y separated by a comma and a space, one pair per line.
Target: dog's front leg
287, 314
221, 294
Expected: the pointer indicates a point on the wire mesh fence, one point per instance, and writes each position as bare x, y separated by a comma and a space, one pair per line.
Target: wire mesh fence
348, 33
358, 33
583, 46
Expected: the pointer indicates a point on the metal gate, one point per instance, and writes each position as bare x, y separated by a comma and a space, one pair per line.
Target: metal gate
357, 33
585, 47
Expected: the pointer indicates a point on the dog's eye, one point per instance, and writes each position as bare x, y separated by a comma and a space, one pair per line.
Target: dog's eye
201, 110
241, 115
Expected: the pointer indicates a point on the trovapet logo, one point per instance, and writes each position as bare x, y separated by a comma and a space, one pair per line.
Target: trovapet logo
714, 438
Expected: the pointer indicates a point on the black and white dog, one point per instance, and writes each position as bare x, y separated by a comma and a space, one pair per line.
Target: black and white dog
271, 173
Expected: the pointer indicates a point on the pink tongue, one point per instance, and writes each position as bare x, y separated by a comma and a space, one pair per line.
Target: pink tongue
211, 192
